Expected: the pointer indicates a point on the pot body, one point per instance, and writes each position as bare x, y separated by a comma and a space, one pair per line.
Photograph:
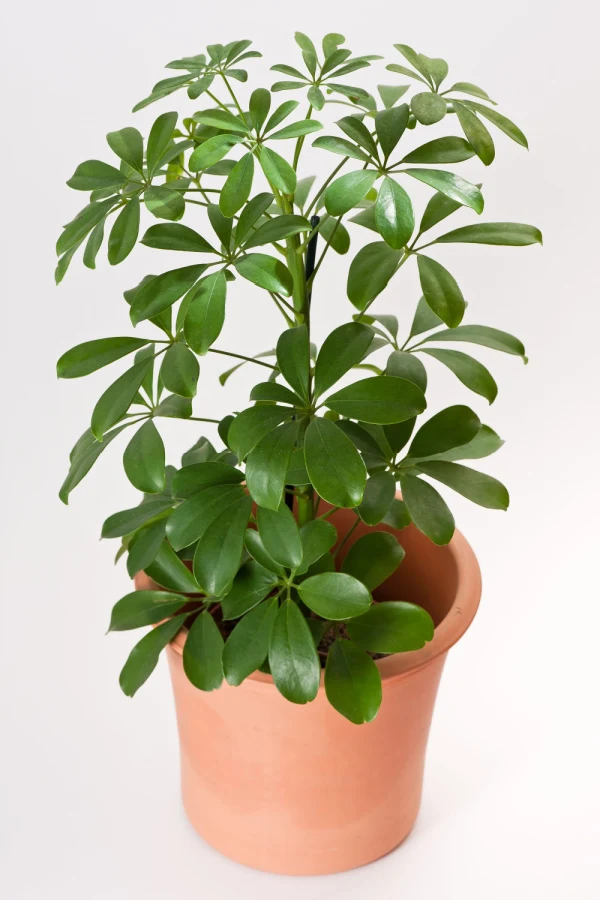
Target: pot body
299, 789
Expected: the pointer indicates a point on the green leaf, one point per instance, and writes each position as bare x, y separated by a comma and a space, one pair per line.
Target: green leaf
428, 108
192, 518
505, 125
143, 659
398, 435
441, 150
84, 455
127, 520
424, 319
206, 313
475, 132
470, 371
453, 186
248, 644
196, 477
159, 139
170, 572
93, 355
449, 428
485, 442
293, 359
296, 473
373, 558
251, 213
335, 595
397, 516
381, 400
333, 463
161, 291
394, 215
427, 509
236, 189
219, 551
275, 392
280, 536
144, 608
260, 104
366, 441
465, 87
124, 232
296, 129
303, 190
287, 85
164, 203
221, 119
74, 233
402, 364
250, 586
277, 229
317, 537
475, 486
484, 336
93, 174
392, 627
144, 459
293, 660
212, 151
256, 549
116, 399
128, 144
341, 350
267, 465
377, 499
508, 234
92, 247
335, 234
441, 291
358, 132
202, 653
340, 146
281, 113
174, 407
266, 272
251, 425
144, 546
180, 370
390, 94
390, 125
402, 70
348, 191
277, 170
370, 272
352, 682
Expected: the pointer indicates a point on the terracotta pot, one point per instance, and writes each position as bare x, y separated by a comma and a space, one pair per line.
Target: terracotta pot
299, 790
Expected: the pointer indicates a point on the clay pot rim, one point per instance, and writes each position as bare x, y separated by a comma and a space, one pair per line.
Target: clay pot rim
446, 634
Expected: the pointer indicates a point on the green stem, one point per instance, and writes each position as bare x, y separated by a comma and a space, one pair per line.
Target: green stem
348, 535
300, 141
199, 419
324, 186
258, 362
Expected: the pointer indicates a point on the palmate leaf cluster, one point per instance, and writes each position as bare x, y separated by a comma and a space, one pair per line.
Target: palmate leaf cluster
240, 538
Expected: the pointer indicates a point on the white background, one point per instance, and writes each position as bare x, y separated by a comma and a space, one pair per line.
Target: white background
90, 805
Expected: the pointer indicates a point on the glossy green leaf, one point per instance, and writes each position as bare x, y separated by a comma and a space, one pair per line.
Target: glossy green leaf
247, 646
170, 572
296, 129
143, 659
275, 392
260, 104
176, 237
485, 442
202, 653
366, 439
74, 233
164, 202
394, 217
221, 119
340, 146
127, 520
352, 682
266, 272
296, 473
453, 186
144, 546
424, 319
335, 595
116, 399
476, 486
370, 272
128, 144
211, 151
484, 336
251, 214
505, 125
219, 550
358, 132
377, 499
465, 87
475, 132
206, 313
397, 515
84, 455
238, 185
124, 233
180, 370
174, 407
250, 586
438, 208
277, 170
93, 355
93, 174
402, 70
392, 627
267, 465
251, 426
280, 536
428, 108
348, 191
159, 139
144, 608
381, 400
441, 150
401, 364
449, 428
390, 125
441, 291
508, 234
92, 247
373, 558
161, 291
277, 229
427, 509
334, 465
196, 477
293, 659
470, 371
144, 459
194, 516
317, 537
341, 350
257, 551
293, 358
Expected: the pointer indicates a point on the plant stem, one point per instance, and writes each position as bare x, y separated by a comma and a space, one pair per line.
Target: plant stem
325, 185
199, 419
300, 141
259, 362
348, 535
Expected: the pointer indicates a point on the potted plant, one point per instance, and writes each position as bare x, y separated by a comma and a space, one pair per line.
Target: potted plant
298, 594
